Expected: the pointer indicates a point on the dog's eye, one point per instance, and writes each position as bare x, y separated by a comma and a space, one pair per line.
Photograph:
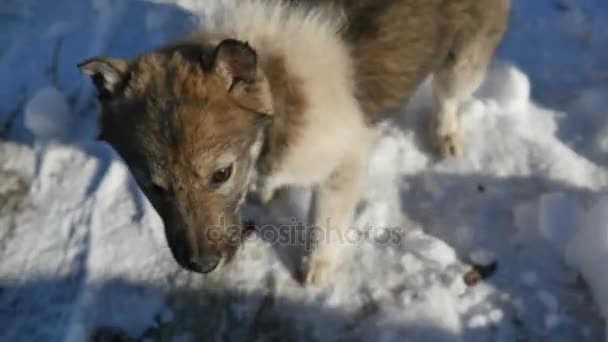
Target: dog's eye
221, 176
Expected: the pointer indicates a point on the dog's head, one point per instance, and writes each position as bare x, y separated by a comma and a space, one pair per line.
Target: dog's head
187, 119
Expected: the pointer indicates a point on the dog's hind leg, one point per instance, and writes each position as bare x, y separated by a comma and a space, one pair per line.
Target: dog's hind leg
455, 81
453, 84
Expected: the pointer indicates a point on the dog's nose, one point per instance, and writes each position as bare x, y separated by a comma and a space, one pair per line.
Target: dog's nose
205, 263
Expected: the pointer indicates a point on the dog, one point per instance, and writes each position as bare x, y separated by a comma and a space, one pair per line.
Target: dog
285, 93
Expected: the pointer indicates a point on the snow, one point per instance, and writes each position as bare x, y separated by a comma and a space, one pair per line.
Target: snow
482, 257
587, 251
47, 115
82, 249
558, 218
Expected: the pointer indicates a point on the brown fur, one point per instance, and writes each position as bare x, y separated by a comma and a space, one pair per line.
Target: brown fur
393, 55
289, 103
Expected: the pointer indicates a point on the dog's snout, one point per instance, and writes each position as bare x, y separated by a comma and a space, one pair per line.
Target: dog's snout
202, 264
205, 263
201, 261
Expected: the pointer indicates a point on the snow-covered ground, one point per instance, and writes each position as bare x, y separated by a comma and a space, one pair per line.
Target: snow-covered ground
81, 248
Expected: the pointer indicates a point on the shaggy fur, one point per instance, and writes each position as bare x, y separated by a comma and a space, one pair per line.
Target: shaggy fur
288, 90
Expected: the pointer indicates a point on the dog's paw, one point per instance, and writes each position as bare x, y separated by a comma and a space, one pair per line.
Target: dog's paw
448, 145
261, 193
318, 271
266, 195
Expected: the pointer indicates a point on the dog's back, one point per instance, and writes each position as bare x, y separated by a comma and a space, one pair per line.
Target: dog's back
396, 44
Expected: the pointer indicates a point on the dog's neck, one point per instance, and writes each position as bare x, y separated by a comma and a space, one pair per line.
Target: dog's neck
289, 103
304, 58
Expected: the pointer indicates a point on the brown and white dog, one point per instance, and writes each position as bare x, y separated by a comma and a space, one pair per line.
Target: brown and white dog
290, 91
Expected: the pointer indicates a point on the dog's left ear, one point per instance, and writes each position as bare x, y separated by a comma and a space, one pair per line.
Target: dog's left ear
106, 73
236, 62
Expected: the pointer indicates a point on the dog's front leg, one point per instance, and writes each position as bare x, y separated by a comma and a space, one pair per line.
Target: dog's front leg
333, 204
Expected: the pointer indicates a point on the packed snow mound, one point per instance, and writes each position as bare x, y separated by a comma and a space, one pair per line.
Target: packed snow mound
66, 236
48, 116
508, 86
581, 237
587, 251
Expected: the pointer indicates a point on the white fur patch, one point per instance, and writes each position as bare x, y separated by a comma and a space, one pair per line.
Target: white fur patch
315, 54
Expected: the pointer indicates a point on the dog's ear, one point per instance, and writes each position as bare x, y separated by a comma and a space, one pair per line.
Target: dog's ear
106, 73
236, 62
